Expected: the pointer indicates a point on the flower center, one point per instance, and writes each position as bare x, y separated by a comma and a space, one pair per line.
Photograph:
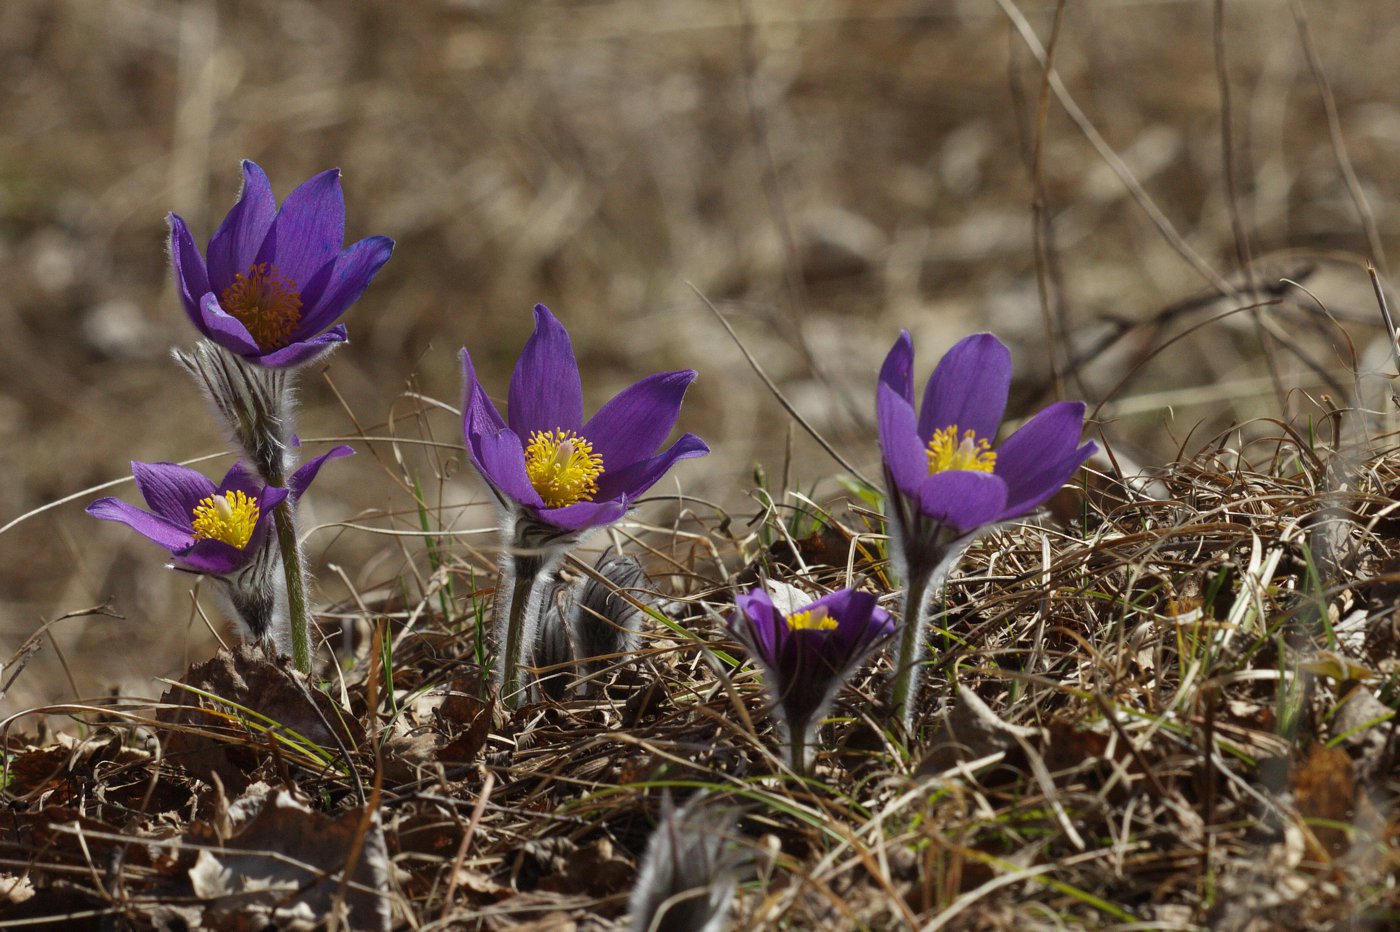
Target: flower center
230, 517
947, 452
814, 619
265, 302
562, 467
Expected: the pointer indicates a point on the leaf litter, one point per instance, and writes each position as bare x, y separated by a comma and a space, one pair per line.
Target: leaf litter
1150, 710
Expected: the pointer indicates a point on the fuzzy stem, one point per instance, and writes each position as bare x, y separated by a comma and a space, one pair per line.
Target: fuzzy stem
527, 576
799, 746
300, 624
908, 665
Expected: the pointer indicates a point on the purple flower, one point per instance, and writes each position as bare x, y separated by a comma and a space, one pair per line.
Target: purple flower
807, 655
943, 459
208, 528
276, 278
567, 474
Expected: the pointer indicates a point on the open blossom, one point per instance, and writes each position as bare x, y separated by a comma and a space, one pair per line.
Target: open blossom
806, 655
276, 279
946, 480
544, 459
943, 459
208, 528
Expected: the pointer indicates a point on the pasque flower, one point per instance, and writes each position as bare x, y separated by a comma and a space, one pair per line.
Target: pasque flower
546, 461
943, 458
556, 476
806, 655
946, 479
276, 279
208, 528
220, 530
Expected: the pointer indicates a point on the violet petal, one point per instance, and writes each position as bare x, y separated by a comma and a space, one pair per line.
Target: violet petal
501, 459
225, 329
898, 369
234, 247
545, 391
963, 499
166, 533
214, 557
968, 388
1040, 457
191, 277
900, 445
172, 490
309, 229
635, 479
478, 410
303, 352
634, 424
301, 479
341, 283
583, 515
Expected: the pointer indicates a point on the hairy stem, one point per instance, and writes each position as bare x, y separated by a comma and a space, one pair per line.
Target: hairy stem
527, 576
909, 664
292, 566
799, 746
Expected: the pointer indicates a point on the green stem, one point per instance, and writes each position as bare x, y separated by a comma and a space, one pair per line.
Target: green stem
797, 747
909, 668
296, 585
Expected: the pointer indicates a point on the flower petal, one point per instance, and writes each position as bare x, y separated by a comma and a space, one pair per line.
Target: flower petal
898, 369
241, 477
235, 244
583, 515
638, 419
191, 277
341, 283
963, 499
160, 530
633, 480
215, 557
309, 229
171, 490
1040, 457
303, 352
545, 392
968, 388
758, 624
500, 459
900, 445
225, 329
479, 412
303, 477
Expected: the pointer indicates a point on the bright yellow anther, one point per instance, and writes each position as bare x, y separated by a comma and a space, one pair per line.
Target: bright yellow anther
268, 304
562, 467
230, 517
947, 452
814, 619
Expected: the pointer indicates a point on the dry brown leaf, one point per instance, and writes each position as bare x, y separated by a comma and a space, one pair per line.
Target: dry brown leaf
284, 862
203, 741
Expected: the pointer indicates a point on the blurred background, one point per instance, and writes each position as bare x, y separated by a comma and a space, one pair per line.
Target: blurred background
827, 172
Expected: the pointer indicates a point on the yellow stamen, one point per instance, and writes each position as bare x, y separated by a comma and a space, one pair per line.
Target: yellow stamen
946, 452
265, 302
814, 619
562, 467
230, 517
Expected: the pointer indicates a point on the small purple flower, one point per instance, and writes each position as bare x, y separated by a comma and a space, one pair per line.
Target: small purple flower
564, 473
276, 278
807, 655
943, 460
212, 529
